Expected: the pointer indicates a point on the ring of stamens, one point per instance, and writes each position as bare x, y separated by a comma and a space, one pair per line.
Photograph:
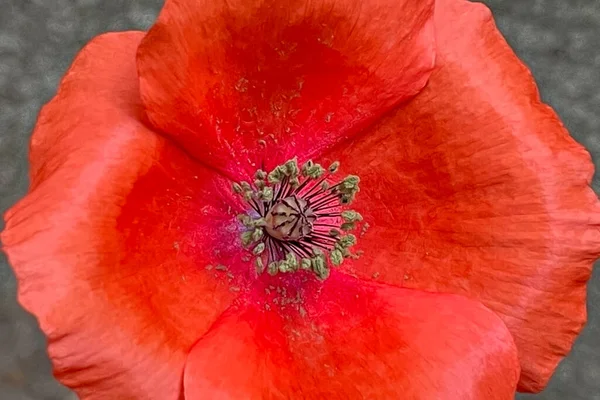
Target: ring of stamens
296, 218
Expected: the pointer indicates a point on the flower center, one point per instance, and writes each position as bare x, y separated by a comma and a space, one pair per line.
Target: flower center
290, 219
296, 219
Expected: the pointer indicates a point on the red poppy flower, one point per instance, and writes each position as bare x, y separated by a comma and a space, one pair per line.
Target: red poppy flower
128, 250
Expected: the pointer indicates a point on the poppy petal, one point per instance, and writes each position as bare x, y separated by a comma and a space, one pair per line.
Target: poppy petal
475, 187
110, 245
239, 82
357, 341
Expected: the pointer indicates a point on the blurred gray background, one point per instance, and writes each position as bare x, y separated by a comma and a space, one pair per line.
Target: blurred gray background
558, 39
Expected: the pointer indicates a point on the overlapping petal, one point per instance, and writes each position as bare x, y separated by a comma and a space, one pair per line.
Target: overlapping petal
356, 341
475, 187
110, 245
240, 82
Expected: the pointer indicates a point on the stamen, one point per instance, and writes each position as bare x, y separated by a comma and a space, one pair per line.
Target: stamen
298, 218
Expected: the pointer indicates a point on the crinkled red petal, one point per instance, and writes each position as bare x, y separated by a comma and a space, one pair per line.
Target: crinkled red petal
357, 340
110, 244
475, 187
240, 82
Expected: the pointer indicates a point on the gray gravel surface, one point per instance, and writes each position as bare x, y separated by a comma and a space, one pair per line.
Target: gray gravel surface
558, 39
